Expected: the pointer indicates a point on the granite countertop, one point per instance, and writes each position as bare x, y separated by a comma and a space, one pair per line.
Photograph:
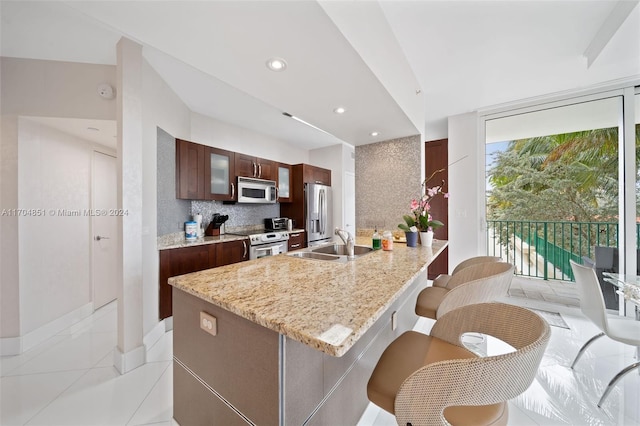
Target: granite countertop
173, 241
176, 240
325, 305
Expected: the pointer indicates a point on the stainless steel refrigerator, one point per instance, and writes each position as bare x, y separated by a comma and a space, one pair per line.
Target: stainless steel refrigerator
318, 213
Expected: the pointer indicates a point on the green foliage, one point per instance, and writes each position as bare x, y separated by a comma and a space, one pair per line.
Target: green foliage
568, 177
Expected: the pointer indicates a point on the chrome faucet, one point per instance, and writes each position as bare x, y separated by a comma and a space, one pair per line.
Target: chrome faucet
349, 241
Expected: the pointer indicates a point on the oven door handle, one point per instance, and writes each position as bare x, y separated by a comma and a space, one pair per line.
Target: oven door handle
271, 247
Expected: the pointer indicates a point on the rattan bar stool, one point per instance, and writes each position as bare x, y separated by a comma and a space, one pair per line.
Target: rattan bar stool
434, 380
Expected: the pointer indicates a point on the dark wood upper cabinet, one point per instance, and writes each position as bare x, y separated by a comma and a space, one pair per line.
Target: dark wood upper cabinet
220, 174
254, 167
284, 183
190, 169
314, 174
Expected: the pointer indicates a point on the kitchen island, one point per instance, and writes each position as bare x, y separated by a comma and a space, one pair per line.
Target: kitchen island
295, 339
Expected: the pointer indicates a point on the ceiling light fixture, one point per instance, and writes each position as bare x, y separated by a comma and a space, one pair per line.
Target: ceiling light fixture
300, 120
374, 133
339, 110
277, 64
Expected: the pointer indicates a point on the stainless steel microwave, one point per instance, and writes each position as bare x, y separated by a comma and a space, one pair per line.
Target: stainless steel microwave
256, 190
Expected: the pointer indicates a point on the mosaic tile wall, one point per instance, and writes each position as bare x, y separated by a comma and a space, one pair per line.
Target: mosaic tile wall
387, 178
172, 213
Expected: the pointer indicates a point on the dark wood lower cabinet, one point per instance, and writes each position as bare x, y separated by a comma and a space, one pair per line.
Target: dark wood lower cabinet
231, 252
185, 260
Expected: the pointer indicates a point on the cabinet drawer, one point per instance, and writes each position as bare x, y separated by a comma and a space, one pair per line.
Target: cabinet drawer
296, 240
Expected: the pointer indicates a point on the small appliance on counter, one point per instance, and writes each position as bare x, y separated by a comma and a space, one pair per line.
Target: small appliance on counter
276, 224
216, 225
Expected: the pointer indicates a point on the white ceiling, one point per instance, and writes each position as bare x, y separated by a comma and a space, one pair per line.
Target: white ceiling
398, 67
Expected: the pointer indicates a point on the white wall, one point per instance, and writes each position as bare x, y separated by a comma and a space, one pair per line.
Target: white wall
48, 89
9, 266
54, 172
339, 160
209, 131
465, 215
162, 108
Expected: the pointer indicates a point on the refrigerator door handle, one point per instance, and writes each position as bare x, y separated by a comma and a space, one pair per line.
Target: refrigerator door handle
323, 213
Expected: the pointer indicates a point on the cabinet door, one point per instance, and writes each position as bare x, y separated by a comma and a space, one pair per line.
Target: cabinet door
313, 174
219, 175
232, 252
296, 240
266, 169
189, 170
284, 183
246, 165
181, 261
322, 176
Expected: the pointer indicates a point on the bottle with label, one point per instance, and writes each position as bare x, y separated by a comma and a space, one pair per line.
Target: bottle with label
377, 242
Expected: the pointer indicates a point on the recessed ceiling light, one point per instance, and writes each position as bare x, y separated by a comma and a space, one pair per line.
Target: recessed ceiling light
93, 129
339, 110
374, 133
276, 64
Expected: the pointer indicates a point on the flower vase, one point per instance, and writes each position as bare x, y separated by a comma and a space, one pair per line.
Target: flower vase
426, 238
412, 239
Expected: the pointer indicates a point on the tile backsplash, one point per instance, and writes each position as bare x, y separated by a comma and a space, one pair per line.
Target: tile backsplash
240, 215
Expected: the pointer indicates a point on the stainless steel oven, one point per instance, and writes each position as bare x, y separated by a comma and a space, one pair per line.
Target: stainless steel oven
262, 244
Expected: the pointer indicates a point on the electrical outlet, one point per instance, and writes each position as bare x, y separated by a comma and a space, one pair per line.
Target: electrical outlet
394, 321
208, 323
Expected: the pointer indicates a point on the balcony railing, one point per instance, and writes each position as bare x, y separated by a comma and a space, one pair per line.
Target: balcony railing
543, 249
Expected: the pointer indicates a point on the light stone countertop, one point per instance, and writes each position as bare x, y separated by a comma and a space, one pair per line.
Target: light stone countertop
177, 240
325, 305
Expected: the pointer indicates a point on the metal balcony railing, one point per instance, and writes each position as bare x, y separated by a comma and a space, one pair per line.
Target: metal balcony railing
543, 249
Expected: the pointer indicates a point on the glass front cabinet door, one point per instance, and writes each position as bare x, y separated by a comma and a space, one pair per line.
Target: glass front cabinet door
220, 175
284, 183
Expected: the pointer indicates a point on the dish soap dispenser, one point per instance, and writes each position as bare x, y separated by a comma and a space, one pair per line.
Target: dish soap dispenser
377, 242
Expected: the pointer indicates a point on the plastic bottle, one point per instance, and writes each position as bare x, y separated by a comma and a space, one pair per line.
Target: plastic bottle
377, 242
387, 241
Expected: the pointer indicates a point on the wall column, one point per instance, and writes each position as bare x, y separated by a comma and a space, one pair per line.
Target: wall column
130, 352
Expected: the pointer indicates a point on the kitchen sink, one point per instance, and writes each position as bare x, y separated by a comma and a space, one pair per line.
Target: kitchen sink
341, 250
316, 256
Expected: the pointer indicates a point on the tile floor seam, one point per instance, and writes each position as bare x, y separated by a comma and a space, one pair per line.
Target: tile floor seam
148, 393
57, 396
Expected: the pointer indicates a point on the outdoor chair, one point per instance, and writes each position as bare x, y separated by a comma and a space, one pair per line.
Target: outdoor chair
434, 380
624, 330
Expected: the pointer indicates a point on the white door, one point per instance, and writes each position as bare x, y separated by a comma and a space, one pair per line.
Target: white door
350, 202
105, 227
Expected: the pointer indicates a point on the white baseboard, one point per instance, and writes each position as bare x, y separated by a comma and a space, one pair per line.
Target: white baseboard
125, 362
10, 346
18, 345
154, 335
